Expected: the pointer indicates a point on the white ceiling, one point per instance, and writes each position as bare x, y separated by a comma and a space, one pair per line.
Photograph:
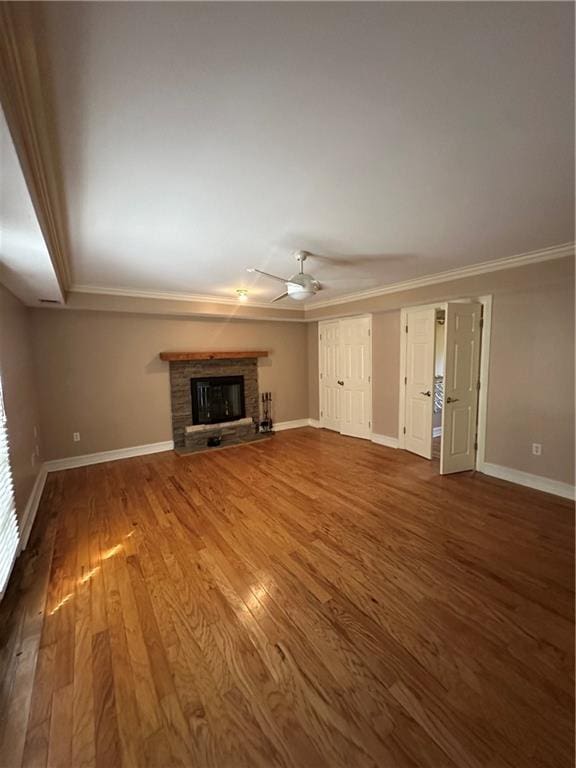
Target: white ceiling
404, 138
25, 266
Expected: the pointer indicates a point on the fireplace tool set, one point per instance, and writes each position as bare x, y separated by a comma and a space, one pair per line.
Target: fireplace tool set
266, 422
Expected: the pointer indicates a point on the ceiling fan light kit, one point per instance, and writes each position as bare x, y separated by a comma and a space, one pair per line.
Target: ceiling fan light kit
299, 292
300, 286
242, 294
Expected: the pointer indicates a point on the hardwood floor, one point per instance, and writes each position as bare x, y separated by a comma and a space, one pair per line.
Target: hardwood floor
309, 601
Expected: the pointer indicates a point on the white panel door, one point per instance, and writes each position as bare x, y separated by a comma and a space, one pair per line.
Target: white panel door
356, 376
460, 408
419, 381
330, 390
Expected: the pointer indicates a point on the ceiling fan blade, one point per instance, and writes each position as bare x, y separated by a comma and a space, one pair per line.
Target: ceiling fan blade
282, 296
267, 274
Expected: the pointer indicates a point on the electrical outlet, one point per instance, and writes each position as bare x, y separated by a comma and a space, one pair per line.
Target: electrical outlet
537, 449
76, 437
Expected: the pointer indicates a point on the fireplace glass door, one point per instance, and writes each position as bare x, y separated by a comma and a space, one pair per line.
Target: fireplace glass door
217, 398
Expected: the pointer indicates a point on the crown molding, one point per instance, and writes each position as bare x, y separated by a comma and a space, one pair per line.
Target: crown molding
133, 293
24, 94
496, 265
510, 262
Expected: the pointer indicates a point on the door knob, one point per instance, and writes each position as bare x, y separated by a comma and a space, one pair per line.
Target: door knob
452, 399
341, 383
428, 394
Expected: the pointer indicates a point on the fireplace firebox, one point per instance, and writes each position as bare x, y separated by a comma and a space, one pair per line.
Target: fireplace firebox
216, 399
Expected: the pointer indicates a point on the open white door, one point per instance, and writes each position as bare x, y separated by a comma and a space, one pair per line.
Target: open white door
329, 345
355, 376
460, 407
419, 381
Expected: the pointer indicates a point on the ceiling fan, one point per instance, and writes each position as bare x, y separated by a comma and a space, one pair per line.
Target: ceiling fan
300, 286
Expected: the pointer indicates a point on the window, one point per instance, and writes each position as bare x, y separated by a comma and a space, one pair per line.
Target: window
8, 521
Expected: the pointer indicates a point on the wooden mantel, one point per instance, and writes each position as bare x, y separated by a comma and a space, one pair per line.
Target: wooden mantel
174, 356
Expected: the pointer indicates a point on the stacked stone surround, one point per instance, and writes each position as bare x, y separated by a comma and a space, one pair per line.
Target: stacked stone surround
181, 371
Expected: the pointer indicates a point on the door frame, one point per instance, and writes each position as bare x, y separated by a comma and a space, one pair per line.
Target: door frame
321, 323
486, 302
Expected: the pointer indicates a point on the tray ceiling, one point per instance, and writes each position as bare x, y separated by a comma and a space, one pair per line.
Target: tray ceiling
396, 139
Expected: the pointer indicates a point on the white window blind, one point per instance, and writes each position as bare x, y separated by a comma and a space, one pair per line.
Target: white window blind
8, 521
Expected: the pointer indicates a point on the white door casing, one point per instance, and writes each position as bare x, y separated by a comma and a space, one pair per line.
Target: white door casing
329, 354
461, 377
356, 376
419, 383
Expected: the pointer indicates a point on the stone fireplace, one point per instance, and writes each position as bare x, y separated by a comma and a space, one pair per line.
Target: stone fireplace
215, 398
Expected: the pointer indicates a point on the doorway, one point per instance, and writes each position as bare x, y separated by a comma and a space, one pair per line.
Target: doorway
438, 390
443, 381
345, 356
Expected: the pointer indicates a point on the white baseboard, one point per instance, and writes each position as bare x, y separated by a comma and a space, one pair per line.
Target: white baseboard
531, 481
142, 450
436, 431
314, 423
32, 507
389, 442
280, 426
103, 456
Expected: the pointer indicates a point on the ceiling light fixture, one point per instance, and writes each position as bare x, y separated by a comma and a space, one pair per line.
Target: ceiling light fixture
242, 294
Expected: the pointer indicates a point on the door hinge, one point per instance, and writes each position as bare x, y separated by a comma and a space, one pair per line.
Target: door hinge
405, 380
475, 445
404, 430
406, 329
370, 424
321, 413
320, 337
369, 378
478, 385
321, 375
369, 332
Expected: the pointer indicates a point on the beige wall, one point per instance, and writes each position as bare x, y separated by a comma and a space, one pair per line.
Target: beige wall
18, 384
101, 376
385, 372
531, 386
313, 384
531, 390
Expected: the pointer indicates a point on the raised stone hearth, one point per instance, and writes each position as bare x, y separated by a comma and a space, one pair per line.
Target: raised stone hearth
197, 429
189, 437
230, 433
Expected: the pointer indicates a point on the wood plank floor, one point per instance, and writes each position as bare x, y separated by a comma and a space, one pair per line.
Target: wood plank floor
311, 601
